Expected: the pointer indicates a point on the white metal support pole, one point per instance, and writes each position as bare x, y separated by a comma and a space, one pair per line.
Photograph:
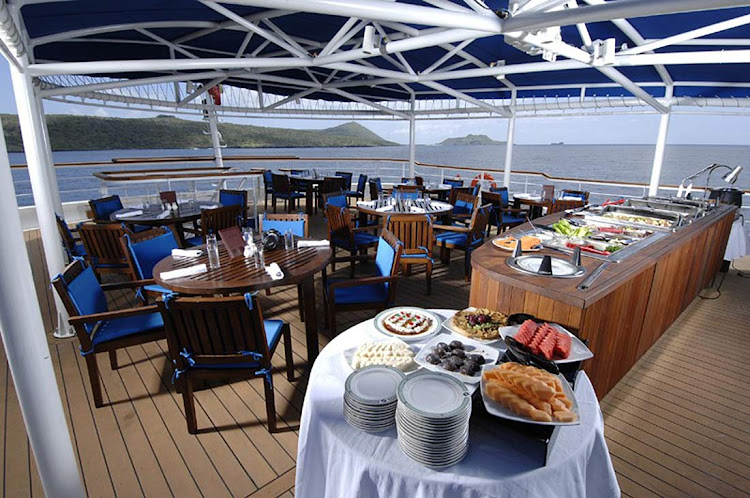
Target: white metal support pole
661, 143
213, 126
509, 141
412, 141
32, 133
50, 162
28, 353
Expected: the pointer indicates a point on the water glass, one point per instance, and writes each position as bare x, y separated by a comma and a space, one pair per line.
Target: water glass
247, 235
261, 260
289, 239
212, 248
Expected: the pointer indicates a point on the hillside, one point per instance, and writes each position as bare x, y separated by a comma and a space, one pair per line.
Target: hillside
166, 132
471, 140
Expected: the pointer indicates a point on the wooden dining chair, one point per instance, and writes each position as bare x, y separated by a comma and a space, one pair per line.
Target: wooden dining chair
563, 205
347, 179
298, 223
343, 234
282, 189
330, 185
142, 252
102, 208
104, 252
168, 196
416, 235
409, 191
235, 198
464, 238
464, 204
548, 192
72, 244
99, 329
223, 338
213, 220
511, 216
377, 292
455, 183
376, 187
501, 217
360, 192
267, 186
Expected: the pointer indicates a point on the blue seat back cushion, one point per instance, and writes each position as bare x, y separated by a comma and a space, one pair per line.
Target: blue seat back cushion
267, 178
227, 199
361, 183
463, 207
149, 252
102, 209
379, 184
87, 295
338, 201
454, 183
410, 195
297, 227
384, 258
571, 194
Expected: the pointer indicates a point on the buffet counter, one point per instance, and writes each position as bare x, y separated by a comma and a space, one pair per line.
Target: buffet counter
627, 308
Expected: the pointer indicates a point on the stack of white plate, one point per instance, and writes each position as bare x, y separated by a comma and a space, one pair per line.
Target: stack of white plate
432, 419
370, 397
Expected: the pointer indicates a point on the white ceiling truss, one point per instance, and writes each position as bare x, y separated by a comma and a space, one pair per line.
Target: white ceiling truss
380, 30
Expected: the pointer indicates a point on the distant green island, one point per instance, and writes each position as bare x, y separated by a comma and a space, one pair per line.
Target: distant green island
471, 140
69, 132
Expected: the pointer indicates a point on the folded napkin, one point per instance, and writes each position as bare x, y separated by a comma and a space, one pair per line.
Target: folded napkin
522, 196
367, 204
274, 271
164, 214
444, 186
313, 243
186, 253
209, 206
418, 210
129, 214
570, 198
384, 209
184, 272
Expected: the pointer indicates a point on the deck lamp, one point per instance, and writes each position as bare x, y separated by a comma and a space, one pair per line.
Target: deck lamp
730, 177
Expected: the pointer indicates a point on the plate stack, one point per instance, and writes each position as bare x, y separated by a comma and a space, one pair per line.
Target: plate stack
370, 397
432, 419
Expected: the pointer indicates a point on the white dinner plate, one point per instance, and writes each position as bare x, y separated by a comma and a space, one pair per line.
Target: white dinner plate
448, 324
498, 410
375, 385
578, 350
433, 329
471, 346
434, 395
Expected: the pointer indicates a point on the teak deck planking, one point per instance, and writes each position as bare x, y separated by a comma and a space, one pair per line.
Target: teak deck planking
674, 428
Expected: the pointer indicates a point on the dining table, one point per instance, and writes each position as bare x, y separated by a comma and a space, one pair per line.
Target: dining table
334, 459
415, 207
308, 184
156, 215
239, 274
535, 202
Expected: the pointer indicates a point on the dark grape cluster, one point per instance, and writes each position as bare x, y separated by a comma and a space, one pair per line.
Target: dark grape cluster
453, 358
478, 319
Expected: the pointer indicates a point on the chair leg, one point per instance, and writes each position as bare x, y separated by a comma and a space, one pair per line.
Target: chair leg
270, 405
287, 331
333, 258
189, 402
96, 388
273, 201
113, 359
351, 267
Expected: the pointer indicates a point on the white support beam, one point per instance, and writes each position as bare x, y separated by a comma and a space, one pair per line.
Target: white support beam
291, 98
167, 43
244, 44
266, 14
112, 28
343, 31
509, 140
661, 144
688, 35
109, 85
467, 98
295, 50
201, 90
442, 60
412, 138
370, 103
28, 355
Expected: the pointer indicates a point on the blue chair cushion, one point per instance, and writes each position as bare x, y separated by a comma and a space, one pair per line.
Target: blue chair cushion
141, 228
297, 226
571, 194
156, 288
354, 193
87, 295
228, 199
194, 241
384, 257
337, 200
147, 253
291, 195
104, 208
453, 183
371, 293
79, 250
509, 219
360, 239
463, 208
117, 328
455, 238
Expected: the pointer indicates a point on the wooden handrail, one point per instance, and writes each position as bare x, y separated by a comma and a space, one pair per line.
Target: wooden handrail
116, 176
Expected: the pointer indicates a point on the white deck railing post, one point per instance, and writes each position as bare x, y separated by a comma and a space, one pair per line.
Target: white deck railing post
34, 144
213, 126
661, 144
28, 353
509, 139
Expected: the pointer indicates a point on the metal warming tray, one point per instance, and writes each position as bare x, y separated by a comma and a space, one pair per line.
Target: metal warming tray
611, 214
658, 205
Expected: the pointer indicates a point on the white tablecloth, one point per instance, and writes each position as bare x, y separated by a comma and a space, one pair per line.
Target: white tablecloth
337, 461
738, 245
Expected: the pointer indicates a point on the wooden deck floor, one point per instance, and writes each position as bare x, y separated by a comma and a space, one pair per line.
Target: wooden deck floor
673, 428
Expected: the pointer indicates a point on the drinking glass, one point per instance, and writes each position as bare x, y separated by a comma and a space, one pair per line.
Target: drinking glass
261, 256
288, 239
212, 248
247, 235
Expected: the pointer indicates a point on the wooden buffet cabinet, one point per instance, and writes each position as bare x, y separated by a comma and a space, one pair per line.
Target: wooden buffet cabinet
627, 308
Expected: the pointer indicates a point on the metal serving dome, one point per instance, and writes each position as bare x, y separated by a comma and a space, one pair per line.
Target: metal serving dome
383, 58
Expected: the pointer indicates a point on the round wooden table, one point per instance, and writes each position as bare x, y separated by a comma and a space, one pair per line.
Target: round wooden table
185, 213
437, 209
241, 275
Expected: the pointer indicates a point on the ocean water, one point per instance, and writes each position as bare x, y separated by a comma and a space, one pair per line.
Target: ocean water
631, 163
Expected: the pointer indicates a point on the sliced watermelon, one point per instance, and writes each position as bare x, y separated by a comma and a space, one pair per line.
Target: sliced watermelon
526, 332
547, 346
563, 344
541, 333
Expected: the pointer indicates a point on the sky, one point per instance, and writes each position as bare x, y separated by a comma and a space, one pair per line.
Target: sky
627, 129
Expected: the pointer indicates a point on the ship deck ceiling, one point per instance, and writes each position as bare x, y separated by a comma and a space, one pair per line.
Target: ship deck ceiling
677, 425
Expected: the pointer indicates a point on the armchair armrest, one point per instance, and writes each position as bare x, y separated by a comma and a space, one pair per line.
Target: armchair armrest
363, 229
355, 282
126, 285
109, 315
451, 228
